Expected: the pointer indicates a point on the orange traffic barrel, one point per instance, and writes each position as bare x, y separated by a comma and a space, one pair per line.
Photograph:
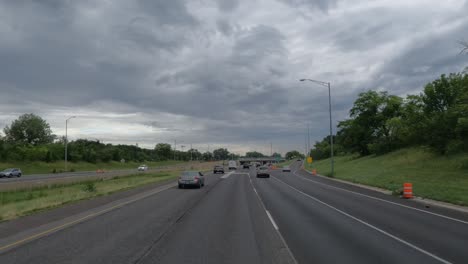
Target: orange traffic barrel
407, 190
314, 172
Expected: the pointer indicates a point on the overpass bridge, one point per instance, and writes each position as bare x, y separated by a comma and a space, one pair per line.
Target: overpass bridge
262, 161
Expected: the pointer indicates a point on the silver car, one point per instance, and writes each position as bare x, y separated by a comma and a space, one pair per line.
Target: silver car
262, 172
191, 178
286, 168
13, 172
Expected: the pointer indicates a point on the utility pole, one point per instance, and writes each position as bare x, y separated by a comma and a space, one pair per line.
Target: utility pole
191, 152
327, 84
66, 141
271, 149
308, 140
175, 147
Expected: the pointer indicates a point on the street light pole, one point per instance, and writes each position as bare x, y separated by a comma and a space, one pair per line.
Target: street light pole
66, 141
331, 131
327, 84
308, 140
175, 147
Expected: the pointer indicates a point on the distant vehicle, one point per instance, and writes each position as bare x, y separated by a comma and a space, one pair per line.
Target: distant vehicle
246, 165
12, 172
299, 160
191, 178
232, 165
262, 172
286, 168
143, 168
218, 168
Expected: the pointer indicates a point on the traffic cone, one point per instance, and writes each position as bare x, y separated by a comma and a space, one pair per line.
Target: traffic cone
407, 190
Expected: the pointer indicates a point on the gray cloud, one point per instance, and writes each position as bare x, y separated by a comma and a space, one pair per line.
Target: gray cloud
214, 72
323, 5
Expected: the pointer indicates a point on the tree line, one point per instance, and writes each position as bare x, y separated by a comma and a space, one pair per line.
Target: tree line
380, 122
30, 138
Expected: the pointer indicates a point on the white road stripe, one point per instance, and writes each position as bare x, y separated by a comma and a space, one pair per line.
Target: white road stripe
367, 224
271, 219
382, 200
225, 176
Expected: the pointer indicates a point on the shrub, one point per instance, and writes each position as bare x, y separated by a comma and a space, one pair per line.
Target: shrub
89, 187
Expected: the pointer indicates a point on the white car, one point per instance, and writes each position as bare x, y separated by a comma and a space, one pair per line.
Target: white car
143, 168
232, 165
286, 169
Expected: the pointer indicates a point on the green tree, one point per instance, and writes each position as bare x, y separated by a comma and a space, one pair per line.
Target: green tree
29, 129
221, 154
207, 156
163, 151
444, 101
368, 130
254, 154
294, 154
276, 155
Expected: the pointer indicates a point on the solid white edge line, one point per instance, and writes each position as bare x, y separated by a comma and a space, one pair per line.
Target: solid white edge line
271, 219
382, 200
367, 224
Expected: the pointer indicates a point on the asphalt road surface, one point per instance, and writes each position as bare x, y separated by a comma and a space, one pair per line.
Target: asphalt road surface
48, 176
292, 217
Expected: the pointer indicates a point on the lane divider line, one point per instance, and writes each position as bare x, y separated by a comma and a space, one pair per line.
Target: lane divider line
271, 219
366, 224
275, 226
84, 218
383, 200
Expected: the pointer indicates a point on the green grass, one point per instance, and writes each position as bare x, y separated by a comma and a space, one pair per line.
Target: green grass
443, 178
285, 163
14, 204
43, 167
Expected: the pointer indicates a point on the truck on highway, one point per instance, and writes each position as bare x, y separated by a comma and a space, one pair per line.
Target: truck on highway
232, 165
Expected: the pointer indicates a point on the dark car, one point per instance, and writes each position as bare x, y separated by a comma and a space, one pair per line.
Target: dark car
262, 172
218, 168
13, 172
246, 165
191, 178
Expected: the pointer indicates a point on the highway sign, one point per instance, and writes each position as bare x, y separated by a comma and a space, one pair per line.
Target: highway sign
309, 160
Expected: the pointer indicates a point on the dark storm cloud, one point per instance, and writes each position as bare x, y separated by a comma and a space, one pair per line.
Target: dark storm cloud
227, 5
323, 5
214, 71
165, 12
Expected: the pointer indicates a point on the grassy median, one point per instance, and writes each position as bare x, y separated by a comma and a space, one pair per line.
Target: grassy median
443, 178
285, 163
14, 204
59, 166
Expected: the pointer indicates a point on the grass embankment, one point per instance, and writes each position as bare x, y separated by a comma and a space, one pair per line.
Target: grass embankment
285, 163
14, 204
443, 178
59, 166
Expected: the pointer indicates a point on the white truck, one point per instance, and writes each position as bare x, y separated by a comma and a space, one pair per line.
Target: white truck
232, 165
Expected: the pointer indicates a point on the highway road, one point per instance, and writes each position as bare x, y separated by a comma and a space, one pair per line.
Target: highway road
292, 217
48, 176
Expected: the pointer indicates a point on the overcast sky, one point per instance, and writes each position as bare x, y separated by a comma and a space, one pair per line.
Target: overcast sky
218, 72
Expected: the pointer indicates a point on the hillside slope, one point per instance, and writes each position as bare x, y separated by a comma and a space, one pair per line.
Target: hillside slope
443, 178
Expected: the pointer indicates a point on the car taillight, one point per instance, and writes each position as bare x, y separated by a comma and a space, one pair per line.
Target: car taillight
196, 178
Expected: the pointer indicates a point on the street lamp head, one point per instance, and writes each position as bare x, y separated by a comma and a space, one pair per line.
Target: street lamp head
302, 80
